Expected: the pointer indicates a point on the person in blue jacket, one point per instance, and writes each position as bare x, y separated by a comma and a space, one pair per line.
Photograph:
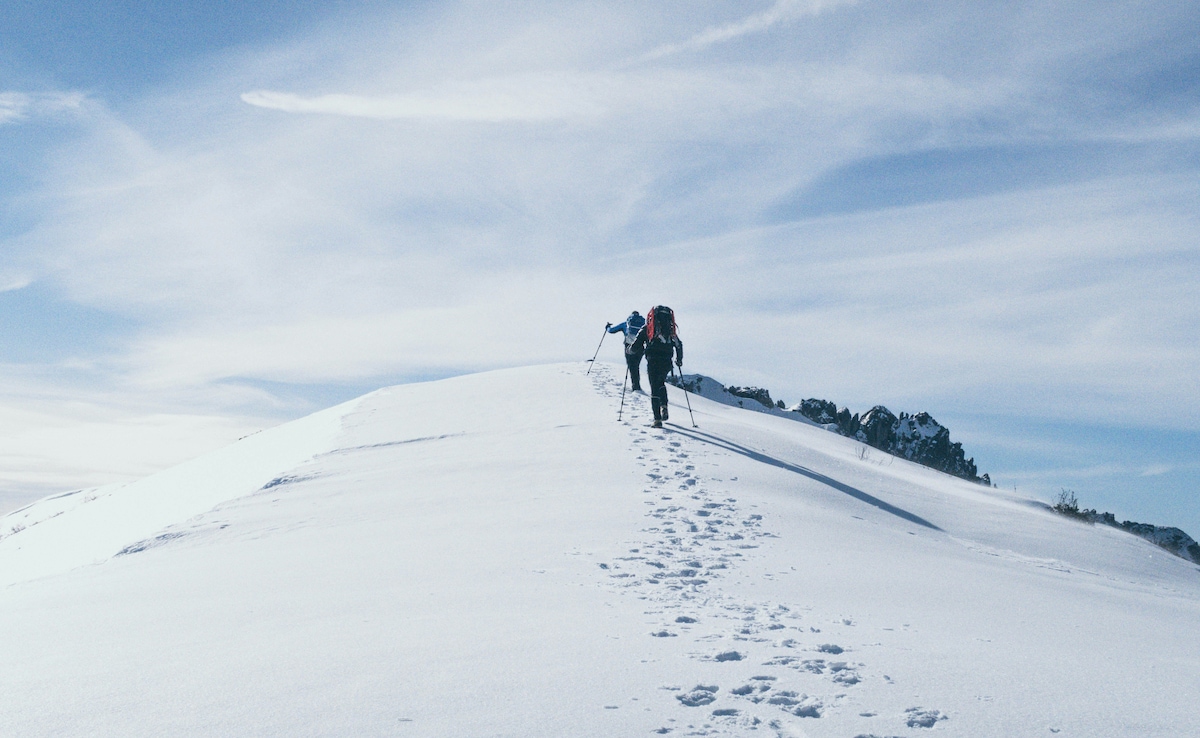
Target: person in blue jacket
633, 356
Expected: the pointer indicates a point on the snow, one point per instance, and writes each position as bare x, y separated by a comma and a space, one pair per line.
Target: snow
102, 520
496, 555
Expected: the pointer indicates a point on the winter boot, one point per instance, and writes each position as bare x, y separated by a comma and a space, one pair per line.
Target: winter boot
656, 424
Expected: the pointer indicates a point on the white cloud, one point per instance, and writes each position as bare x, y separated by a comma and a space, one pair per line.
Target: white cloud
781, 12
1052, 303
521, 98
10, 282
287, 247
19, 106
12, 106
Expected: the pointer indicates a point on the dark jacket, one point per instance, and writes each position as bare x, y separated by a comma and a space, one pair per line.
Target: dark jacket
659, 349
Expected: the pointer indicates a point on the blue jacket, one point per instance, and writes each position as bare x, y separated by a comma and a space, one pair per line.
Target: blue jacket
630, 328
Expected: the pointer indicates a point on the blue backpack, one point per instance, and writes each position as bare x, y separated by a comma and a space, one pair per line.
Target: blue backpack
633, 325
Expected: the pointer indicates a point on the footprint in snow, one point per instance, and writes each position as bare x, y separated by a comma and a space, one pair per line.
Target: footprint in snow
699, 696
685, 545
800, 705
844, 673
918, 717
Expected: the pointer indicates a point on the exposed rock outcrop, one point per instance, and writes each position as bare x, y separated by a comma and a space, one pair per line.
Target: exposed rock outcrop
917, 438
757, 394
1171, 539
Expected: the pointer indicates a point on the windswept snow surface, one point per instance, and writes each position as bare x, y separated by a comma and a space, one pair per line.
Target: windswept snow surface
495, 555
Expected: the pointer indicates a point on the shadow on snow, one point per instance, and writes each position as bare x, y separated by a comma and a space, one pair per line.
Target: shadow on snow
854, 492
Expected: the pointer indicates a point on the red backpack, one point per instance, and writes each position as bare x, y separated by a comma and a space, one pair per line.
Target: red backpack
660, 325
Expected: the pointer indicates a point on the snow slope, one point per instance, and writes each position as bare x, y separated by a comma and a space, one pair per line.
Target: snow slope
495, 555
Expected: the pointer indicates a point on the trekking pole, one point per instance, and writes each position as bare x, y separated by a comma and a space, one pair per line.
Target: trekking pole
685, 395
592, 360
623, 383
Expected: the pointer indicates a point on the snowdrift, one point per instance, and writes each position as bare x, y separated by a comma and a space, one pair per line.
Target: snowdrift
496, 555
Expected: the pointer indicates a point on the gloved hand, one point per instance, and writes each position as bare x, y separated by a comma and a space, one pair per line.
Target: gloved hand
679, 364
607, 326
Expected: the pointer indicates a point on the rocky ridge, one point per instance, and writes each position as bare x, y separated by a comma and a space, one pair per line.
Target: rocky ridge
1172, 539
918, 437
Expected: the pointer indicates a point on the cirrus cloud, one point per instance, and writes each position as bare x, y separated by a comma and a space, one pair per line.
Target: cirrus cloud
531, 98
781, 12
19, 106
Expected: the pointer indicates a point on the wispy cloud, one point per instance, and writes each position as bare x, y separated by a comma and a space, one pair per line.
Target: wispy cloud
782, 11
11, 281
1157, 470
18, 106
517, 98
388, 229
12, 106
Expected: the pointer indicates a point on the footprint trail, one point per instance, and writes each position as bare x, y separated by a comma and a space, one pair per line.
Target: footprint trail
782, 673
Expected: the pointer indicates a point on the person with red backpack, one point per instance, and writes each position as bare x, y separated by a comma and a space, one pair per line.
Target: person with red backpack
660, 340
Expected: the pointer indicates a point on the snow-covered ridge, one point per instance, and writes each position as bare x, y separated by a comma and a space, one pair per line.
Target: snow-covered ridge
496, 554
918, 437
83, 527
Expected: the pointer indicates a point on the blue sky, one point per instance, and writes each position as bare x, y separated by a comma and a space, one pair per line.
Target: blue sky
217, 216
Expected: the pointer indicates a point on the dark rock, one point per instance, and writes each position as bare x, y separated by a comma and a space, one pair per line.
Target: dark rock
758, 394
821, 412
824, 412
878, 427
922, 439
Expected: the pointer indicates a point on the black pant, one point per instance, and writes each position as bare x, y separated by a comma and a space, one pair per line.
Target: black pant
657, 369
634, 362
